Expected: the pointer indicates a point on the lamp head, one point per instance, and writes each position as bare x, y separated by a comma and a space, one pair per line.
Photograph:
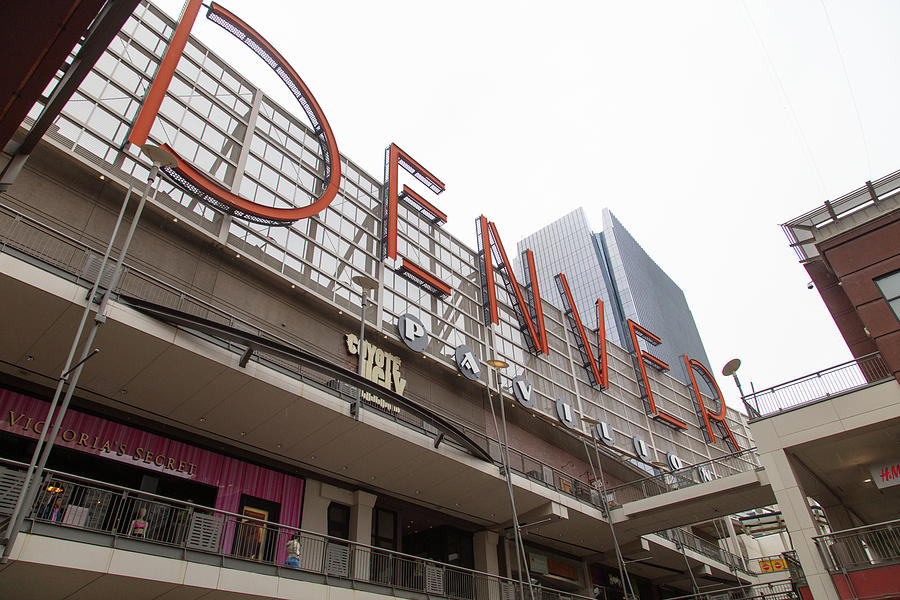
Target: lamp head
365, 282
731, 367
160, 156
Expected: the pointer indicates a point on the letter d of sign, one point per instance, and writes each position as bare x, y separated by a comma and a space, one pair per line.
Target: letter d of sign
412, 332
523, 391
467, 363
565, 413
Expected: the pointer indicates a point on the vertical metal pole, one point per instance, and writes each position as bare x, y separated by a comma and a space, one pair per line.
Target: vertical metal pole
357, 404
362, 331
680, 545
26, 495
504, 468
520, 545
623, 572
29, 476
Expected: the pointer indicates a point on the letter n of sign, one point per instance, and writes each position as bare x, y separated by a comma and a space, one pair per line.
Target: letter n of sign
529, 312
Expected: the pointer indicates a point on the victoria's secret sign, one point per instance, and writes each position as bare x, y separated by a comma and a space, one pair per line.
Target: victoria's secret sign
492, 255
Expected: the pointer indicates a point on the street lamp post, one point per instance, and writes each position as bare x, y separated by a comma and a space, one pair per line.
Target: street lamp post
623, 571
730, 369
71, 372
367, 284
521, 556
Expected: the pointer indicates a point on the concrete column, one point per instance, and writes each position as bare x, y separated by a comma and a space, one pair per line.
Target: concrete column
800, 523
315, 508
485, 547
735, 545
361, 531
315, 519
361, 517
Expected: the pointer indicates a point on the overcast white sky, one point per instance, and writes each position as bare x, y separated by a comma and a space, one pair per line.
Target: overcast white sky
702, 125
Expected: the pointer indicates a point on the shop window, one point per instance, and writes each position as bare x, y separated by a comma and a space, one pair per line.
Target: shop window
384, 529
384, 535
890, 289
339, 521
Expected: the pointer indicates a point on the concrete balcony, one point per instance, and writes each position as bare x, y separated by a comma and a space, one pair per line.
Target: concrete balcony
840, 379
864, 562
199, 350
81, 535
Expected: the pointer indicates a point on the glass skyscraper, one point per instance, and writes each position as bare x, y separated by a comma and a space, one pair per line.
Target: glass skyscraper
612, 266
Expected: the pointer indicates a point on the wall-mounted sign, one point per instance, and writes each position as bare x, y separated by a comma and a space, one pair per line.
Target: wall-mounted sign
772, 565
412, 332
467, 362
378, 367
641, 448
565, 413
705, 474
605, 433
675, 463
525, 303
537, 563
886, 475
523, 391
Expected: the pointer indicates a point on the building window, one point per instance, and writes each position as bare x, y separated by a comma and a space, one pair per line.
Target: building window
890, 288
384, 529
339, 521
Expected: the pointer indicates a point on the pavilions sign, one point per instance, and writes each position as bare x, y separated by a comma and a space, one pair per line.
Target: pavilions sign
528, 310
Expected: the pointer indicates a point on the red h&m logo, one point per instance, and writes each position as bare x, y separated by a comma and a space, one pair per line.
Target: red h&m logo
890, 472
886, 475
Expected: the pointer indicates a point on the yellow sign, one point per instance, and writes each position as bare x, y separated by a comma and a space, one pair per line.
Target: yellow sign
772, 565
378, 367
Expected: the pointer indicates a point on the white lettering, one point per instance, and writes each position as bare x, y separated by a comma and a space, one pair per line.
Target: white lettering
413, 330
470, 362
525, 388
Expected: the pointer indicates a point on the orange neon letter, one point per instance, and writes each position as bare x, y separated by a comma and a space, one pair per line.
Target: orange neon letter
531, 319
720, 416
394, 157
640, 358
197, 184
598, 375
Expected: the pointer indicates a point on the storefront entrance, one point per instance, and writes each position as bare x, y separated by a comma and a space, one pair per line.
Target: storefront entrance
252, 538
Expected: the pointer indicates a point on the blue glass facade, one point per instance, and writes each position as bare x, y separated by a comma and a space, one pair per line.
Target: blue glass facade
612, 266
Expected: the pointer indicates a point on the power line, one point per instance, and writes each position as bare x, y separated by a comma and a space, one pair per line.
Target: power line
787, 99
862, 131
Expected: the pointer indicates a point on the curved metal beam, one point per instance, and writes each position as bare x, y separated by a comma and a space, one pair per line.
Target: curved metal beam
305, 358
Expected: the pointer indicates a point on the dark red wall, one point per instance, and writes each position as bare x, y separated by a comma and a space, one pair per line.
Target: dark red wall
853, 260
878, 582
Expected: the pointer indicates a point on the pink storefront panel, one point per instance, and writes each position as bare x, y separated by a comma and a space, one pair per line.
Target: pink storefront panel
23, 415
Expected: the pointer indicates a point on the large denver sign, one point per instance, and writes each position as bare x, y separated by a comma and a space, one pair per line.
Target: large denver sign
526, 304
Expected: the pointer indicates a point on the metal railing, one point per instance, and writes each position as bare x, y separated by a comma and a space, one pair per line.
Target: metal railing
776, 590
840, 379
860, 547
75, 502
798, 577
654, 485
801, 230
707, 548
